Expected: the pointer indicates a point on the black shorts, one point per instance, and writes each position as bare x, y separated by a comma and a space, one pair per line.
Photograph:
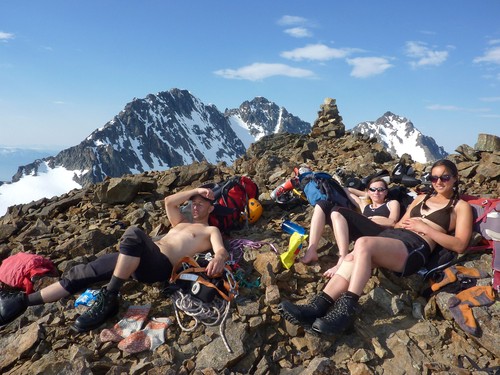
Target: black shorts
153, 267
327, 207
359, 225
419, 250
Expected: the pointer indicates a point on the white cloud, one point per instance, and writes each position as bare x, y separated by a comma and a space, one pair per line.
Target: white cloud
259, 71
424, 55
317, 52
368, 66
298, 32
494, 41
491, 99
454, 108
491, 55
4, 37
292, 20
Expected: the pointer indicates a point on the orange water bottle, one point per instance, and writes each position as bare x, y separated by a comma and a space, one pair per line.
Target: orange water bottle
288, 185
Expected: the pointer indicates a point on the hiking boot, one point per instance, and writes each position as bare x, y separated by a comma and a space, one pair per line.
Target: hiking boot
105, 306
340, 318
12, 305
306, 314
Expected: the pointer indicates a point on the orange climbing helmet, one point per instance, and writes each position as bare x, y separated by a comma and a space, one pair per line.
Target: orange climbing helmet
254, 210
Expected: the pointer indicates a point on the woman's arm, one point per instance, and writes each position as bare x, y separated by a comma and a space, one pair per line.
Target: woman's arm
394, 209
354, 196
463, 229
406, 216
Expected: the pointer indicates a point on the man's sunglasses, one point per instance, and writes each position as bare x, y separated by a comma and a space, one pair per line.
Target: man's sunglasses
377, 189
443, 178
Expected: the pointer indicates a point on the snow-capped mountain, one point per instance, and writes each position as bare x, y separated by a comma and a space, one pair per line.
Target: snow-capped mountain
260, 117
398, 135
165, 130
12, 157
158, 132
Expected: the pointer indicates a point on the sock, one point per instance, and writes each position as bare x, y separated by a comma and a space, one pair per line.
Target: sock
151, 337
450, 276
35, 299
461, 306
131, 322
326, 297
352, 296
115, 284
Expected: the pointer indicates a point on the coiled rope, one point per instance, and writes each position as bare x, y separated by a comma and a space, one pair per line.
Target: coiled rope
209, 314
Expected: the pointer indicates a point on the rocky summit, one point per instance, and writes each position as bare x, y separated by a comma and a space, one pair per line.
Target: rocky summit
397, 332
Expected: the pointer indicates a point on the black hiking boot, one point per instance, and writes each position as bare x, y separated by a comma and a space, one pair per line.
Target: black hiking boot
105, 306
12, 305
305, 315
340, 318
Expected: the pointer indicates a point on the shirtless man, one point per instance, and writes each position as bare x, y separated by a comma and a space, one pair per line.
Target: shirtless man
138, 257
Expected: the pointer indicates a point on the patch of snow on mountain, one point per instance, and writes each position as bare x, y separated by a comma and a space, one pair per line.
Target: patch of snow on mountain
49, 182
241, 129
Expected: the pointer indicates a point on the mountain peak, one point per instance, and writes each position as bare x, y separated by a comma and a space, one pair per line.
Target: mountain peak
260, 117
399, 136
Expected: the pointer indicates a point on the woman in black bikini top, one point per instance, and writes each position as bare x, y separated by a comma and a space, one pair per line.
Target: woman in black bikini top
403, 249
441, 217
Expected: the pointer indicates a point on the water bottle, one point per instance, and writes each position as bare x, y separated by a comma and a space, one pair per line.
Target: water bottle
290, 227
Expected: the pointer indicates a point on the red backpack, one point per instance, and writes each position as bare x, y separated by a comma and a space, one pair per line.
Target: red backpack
231, 201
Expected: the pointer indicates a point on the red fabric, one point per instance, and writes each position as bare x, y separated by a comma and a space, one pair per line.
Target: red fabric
18, 270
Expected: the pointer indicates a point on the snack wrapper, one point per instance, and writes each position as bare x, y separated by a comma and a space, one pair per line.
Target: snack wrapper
87, 298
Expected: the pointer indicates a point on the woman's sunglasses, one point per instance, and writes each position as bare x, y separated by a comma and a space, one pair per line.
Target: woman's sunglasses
380, 189
443, 178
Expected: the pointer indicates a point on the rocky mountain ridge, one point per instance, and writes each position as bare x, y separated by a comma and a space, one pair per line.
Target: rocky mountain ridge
165, 130
398, 135
262, 117
398, 331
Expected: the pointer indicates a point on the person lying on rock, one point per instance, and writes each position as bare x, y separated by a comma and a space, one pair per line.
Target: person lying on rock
139, 257
348, 225
404, 249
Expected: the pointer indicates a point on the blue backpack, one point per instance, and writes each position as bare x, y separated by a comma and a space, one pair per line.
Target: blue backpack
322, 186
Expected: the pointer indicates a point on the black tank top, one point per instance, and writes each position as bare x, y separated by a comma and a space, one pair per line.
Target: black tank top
382, 210
441, 217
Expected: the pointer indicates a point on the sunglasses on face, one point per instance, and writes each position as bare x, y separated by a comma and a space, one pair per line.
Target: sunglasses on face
379, 189
443, 178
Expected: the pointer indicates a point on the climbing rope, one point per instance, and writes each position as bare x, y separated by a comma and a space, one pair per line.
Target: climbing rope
237, 248
210, 314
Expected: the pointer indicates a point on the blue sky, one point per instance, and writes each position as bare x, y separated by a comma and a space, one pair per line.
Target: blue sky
67, 67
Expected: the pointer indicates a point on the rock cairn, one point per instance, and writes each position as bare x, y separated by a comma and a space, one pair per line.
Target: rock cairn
398, 331
329, 122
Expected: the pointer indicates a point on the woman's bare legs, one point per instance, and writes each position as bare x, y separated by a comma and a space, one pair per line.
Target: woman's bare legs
371, 252
317, 225
341, 237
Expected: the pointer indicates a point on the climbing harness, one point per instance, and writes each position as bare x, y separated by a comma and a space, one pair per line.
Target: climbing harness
206, 300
